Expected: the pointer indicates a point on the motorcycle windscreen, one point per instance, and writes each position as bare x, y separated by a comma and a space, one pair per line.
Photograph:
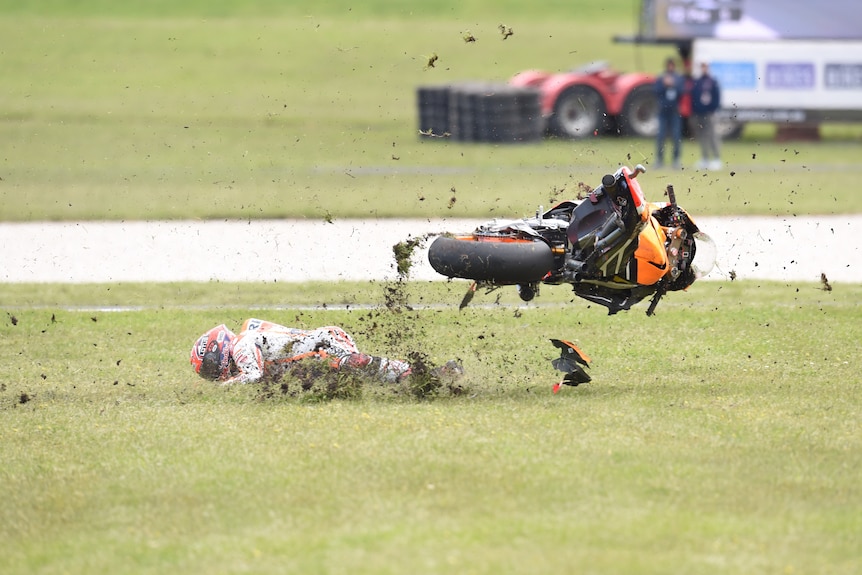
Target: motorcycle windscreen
705, 255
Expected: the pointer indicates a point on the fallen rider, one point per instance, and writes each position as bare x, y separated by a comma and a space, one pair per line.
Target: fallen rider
266, 350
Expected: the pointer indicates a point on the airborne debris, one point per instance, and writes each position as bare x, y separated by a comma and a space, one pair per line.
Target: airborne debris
468, 37
431, 134
825, 285
315, 380
403, 252
555, 192
432, 60
570, 362
395, 325
506, 31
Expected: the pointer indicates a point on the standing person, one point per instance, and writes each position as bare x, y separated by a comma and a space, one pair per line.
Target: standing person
685, 100
669, 88
705, 100
266, 350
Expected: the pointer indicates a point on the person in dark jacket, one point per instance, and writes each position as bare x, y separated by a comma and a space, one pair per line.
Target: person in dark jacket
669, 89
705, 100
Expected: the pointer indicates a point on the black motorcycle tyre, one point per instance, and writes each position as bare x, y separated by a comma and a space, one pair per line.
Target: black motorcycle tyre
497, 262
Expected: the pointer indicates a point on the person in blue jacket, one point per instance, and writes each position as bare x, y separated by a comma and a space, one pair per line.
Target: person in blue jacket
705, 100
669, 89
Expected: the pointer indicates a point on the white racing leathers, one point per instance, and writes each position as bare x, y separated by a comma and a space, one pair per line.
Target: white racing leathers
266, 350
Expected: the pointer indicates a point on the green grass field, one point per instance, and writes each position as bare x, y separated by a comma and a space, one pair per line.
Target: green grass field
149, 111
720, 436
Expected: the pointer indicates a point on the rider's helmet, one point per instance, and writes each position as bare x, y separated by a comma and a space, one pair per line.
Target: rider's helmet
211, 353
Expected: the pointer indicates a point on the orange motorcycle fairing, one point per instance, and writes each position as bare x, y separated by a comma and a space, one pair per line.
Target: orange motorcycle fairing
572, 362
651, 255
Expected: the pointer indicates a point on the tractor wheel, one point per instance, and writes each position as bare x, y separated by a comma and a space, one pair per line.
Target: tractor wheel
728, 129
579, 112
639, 116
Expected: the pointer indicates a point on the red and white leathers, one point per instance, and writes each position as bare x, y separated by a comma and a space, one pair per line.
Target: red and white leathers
266, 349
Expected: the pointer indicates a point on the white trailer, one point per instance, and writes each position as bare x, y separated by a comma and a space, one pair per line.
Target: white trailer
785, 81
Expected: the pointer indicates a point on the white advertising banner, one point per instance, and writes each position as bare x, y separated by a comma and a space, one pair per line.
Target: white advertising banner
784, 74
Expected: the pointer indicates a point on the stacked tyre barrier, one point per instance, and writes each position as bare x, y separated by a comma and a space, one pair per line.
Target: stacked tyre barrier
479, 112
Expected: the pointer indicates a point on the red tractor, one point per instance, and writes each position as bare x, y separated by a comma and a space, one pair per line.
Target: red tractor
595, 100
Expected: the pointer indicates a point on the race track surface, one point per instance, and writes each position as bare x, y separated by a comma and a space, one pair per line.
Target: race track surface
786, 248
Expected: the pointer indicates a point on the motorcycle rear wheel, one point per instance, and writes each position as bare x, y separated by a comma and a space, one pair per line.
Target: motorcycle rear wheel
501, 261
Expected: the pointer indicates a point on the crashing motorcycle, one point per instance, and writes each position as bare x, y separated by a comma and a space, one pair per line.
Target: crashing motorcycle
612, 247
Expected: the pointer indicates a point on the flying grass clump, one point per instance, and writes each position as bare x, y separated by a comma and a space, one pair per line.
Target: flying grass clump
312, 380
395, 322
403, 252
426, 382
315, 380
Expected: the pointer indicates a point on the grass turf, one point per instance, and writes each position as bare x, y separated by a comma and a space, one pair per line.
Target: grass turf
137, 112
719, 436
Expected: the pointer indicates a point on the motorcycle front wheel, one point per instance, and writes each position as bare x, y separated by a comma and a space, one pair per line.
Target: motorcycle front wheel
496, 260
